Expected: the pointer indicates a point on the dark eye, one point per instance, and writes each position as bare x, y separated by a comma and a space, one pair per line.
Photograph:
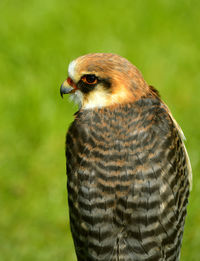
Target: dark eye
89, 79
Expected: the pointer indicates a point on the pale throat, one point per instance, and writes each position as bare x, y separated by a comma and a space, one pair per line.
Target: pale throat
95, 99
99, 98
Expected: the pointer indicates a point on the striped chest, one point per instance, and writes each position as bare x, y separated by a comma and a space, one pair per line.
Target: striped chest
124, 179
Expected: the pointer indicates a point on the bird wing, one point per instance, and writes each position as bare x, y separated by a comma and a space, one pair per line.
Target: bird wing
182, 136
159, 191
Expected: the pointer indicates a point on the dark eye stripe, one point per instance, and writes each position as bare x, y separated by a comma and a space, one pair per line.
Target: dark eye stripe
85, 87
89, 81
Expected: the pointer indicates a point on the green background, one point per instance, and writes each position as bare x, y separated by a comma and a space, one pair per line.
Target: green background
37, 41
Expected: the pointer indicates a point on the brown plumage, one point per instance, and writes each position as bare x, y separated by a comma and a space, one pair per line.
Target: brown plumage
127, 166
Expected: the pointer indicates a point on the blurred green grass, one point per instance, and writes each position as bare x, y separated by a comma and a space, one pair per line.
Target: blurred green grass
37, 41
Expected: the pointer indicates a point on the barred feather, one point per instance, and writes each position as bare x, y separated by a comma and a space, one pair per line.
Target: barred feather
128, 182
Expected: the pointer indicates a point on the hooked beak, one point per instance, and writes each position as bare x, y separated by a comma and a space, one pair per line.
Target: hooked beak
68, 86
65, 88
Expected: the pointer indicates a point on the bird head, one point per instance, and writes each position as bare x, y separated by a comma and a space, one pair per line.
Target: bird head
103, 79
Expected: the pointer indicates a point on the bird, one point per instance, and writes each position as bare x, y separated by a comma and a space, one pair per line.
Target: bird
128, 171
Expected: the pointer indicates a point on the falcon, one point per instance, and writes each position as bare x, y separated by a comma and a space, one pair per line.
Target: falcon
128, 171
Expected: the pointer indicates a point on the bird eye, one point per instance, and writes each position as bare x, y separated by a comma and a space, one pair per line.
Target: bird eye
89, 79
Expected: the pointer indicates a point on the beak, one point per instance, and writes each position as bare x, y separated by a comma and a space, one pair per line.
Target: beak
65, 88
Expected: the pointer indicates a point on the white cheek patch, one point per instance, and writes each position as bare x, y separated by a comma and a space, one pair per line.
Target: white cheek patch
71, 69
96, 99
